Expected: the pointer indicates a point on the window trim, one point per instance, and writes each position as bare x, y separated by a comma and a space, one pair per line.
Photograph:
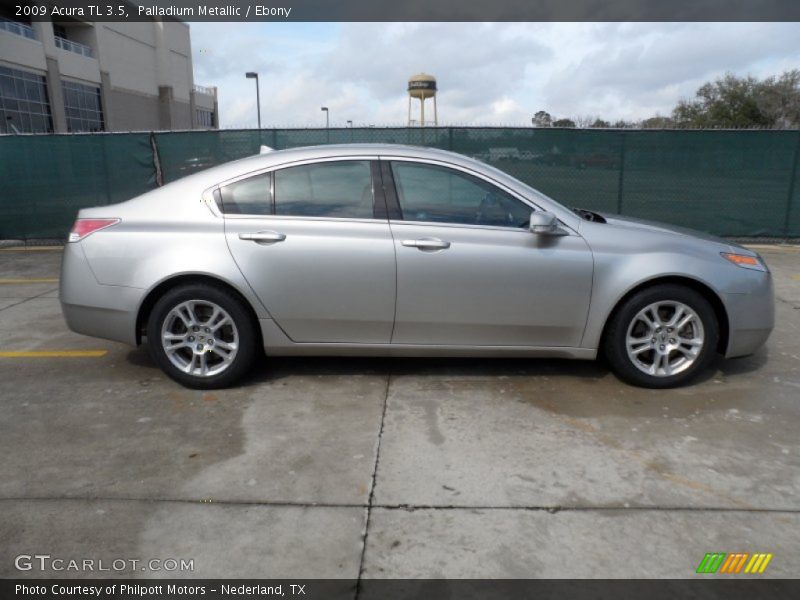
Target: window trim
393, 199
378, 190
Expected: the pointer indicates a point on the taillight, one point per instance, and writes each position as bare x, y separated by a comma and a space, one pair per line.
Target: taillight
84, 227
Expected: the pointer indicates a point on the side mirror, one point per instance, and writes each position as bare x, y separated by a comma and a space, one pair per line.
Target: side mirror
544, 223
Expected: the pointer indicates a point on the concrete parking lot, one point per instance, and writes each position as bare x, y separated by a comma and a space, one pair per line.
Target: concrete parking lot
376, 468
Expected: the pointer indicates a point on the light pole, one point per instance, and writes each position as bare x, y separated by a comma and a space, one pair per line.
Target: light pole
253, 75
327, 124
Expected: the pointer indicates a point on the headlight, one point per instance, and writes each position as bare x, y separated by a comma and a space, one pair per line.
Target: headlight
746, 261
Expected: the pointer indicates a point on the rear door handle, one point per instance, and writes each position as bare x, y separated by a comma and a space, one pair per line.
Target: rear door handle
426, 244
263, 237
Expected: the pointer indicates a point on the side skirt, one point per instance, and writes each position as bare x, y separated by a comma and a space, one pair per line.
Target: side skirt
277, 344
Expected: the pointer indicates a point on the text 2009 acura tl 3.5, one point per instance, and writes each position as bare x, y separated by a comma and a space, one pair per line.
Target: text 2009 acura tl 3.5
392, 250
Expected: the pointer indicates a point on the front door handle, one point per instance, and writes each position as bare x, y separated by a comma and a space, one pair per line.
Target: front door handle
263, 237
427, 244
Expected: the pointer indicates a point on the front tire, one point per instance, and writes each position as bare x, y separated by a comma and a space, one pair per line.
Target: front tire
202, 336
662, 337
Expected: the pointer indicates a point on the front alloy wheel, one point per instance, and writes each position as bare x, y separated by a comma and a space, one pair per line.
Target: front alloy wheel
202, 336
665, 338
662, 336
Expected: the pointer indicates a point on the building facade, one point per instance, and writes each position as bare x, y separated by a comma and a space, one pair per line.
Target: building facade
79, 76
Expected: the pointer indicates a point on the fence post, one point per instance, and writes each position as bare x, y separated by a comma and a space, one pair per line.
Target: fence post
106, 171
620, 183
156, 160
792, 183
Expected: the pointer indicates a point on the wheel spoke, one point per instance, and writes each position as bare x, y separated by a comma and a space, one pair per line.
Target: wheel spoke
226, 320
684, 322
664, 364
230, 347
215, 313
643, 348
190, 366
222, 353
191, 310
676, 316
174, 347
652, 319
186, 314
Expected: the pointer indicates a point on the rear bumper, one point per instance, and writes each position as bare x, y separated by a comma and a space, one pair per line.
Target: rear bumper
751, 317
93, 309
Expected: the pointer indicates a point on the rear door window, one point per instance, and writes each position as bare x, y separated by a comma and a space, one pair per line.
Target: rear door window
336, 189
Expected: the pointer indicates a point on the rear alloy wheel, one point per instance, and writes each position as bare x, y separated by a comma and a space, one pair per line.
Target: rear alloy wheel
662, 336
201, 336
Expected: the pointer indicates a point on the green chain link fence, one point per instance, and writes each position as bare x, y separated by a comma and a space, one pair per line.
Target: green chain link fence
732, 183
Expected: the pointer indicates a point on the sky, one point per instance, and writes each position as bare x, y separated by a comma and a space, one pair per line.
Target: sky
487, 73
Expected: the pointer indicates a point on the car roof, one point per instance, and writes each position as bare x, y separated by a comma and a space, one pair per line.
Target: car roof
269, 159
334, 150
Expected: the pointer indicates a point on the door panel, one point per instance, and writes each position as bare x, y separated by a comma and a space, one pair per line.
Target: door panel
326, 281
490, 287
470, 273
314, 252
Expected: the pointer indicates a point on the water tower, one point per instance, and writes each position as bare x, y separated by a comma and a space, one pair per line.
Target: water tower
422, 86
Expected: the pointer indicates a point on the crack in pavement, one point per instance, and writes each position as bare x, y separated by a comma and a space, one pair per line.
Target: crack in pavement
371, 498
406, 507
23, 301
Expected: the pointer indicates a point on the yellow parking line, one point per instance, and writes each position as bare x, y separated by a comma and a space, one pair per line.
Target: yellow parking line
32, 249
53, 353
31, 280
796, 277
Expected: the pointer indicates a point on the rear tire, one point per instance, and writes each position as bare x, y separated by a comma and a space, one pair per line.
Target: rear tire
202, 336
662, 337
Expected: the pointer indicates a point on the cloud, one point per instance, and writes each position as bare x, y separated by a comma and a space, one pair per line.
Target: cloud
486, 72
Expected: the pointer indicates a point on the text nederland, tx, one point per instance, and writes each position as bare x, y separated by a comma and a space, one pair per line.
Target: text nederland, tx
158, 590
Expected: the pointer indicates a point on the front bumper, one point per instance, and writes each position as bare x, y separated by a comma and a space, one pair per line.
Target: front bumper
93, 309
751, 317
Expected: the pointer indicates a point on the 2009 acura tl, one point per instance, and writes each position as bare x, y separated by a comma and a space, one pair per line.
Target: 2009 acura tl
392, 250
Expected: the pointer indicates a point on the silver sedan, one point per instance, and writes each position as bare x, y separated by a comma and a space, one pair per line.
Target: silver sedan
399, 251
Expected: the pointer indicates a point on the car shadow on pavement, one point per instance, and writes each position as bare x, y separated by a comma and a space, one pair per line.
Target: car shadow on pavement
271, 369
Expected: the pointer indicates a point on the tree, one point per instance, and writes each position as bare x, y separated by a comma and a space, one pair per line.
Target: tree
657, 122
780, 99
600, 123
564, 123
734, 102
583, 121
542, 119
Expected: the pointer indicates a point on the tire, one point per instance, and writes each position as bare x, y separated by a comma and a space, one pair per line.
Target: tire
649, 317
202, 336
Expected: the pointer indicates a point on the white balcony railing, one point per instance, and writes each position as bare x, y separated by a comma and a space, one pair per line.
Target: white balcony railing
208, 91
17, 28
75, 47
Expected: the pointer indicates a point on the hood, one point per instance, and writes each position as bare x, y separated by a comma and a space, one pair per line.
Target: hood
644, 225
